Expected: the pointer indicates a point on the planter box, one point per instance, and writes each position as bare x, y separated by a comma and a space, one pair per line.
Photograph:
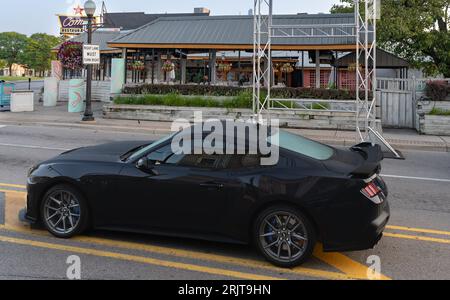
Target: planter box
217, 98
435, 125
427, 107
22, 101
293, 119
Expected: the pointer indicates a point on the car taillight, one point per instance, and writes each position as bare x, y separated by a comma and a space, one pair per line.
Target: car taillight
371, 190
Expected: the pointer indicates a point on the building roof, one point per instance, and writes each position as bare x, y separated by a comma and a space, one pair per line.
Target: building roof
99, 37
133, 20
220, 32
385, 60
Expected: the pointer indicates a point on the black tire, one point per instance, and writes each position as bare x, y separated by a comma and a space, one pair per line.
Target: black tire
80, 224
288, 237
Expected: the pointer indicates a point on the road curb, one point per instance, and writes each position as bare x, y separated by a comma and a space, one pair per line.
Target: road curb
332, 140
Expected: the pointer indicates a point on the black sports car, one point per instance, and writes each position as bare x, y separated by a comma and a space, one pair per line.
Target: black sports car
313, 193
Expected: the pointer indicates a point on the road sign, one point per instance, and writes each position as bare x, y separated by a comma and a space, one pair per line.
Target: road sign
91, 54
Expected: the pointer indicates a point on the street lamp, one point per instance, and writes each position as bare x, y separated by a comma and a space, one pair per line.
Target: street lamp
89, 8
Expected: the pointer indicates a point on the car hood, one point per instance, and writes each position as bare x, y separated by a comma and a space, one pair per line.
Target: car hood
110, 152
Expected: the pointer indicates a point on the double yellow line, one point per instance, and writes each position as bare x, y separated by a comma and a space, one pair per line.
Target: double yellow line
194, 255
173, 252
416, 237
137, 259
350, 269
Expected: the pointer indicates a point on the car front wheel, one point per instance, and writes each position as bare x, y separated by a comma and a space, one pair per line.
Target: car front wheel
285, 236
64, 211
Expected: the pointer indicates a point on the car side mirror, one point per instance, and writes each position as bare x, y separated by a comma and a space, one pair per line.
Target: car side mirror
146, 165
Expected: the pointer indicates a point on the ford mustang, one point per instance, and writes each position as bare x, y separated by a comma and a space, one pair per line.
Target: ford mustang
313, 193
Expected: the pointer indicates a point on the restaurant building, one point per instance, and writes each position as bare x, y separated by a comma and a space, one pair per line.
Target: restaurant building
196, 48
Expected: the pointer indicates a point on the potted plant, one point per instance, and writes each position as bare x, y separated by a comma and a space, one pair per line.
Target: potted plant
168, 66
138, 65
70, 55
287, 68
224, 67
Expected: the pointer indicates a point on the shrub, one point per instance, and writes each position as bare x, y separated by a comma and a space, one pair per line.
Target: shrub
230, 91
437, 90
439, 112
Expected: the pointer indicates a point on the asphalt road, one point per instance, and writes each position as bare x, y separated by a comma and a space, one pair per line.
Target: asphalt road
416, 244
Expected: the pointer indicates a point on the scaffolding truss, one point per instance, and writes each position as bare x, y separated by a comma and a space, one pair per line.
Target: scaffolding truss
262, 58
363, 31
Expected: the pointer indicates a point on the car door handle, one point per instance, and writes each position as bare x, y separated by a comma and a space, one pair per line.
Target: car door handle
212, 185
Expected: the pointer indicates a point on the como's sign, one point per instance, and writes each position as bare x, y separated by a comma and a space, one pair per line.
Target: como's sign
73, 25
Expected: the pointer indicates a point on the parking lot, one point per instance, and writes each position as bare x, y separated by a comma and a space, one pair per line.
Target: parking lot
416, 244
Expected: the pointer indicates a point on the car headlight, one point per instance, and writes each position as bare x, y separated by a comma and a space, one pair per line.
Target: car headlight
32, 169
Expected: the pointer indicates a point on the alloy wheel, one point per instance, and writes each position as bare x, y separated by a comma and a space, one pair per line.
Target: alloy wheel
283, 236
62, 212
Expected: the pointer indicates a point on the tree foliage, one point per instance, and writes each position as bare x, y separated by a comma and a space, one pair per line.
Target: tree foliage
417, 30
12, 46
37, 53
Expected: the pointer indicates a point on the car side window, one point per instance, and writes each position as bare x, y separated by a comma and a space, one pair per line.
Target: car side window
236, 162
196, 161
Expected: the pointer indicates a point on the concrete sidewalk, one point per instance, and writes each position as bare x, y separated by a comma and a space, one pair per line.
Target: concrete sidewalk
401, 139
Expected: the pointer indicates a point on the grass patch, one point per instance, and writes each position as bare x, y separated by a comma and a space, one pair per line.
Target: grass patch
9, 78
243, 100
439, 112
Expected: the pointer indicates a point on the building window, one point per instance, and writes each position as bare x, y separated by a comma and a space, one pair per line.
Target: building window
324, 78
347, 80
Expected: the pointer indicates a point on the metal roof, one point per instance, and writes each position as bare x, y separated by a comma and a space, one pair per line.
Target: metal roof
385, 60
133, 20
100, 37
231, 30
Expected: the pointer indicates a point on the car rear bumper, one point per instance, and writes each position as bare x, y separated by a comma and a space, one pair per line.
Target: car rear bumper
366, 238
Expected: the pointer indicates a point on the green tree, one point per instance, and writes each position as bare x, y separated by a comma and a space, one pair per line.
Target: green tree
38, 52
417, 30
2, 64
12, 46
346, 6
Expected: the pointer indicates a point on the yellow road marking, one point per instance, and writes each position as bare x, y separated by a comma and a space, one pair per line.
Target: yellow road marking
13, 185
345, 264
351, 268
416, 238
249, 263
12, 191
138, 259
14, 201
432, 231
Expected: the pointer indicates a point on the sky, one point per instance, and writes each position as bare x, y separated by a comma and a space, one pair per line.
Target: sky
32, 16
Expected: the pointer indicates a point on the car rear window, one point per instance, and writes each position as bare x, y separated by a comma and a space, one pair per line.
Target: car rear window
301, 145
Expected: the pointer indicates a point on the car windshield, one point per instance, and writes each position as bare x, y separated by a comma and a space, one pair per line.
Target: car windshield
301, 145
140, 152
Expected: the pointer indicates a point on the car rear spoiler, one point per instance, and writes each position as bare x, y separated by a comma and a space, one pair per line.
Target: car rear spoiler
373, 155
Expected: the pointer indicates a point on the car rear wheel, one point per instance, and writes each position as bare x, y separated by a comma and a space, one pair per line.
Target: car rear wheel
285, 236
64, 211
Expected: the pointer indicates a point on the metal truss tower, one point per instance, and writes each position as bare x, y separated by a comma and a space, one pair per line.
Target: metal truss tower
363, 30
262, 58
